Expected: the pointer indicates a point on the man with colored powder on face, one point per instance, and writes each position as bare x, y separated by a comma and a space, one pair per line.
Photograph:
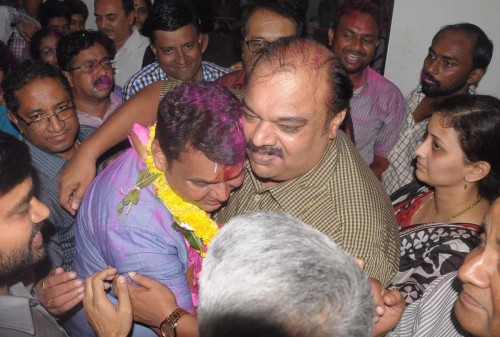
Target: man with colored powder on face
86, 59
301, 163
200, 149
457, 60
377, 105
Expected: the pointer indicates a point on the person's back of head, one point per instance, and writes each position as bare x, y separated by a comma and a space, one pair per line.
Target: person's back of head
268, 274
483, 50
476, 120
170, 16
203, 116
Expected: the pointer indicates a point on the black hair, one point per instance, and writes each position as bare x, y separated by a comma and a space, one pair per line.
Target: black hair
476, 120
25, 73
15, 162
483, 49
169, 16
77, 7
289, 9
362, 7
205, 116
71, 45
52, 9
36, 41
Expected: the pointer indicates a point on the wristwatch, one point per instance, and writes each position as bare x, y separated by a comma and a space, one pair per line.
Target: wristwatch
167, 327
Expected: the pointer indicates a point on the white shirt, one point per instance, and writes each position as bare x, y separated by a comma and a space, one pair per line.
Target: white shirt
129, 57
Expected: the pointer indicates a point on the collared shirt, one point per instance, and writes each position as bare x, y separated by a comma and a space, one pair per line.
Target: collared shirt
377, 109
154, 73
341, 198
94, 121
432, 315
140, 240
22, 315
129, 57
48, 166
401, 170
234, 80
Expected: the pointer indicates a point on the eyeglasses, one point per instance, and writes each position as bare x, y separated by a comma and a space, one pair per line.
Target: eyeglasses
47, 51
257, 45
63, 113
91, 66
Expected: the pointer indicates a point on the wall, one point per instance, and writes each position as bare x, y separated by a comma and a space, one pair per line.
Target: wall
414, 23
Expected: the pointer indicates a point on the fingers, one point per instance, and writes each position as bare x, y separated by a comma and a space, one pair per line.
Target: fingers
394, 298
360, 262
142, 280
60, 291
377, 292
121, 291
69, 196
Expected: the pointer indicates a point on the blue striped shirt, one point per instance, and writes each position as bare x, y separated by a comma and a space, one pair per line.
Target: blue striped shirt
48, 166
154, 73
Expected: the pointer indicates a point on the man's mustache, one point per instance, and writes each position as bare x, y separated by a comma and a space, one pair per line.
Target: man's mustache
265, 150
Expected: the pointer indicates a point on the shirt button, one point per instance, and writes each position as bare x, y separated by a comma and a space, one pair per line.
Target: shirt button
257, 197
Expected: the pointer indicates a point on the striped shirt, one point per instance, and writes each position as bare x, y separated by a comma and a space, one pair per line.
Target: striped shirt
339, 197
154, 73
401, 170
377, 110
432, 315
48, 166
94, 121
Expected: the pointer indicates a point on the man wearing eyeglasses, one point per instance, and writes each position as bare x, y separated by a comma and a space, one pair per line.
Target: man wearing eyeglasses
40, 103
267, 22
86, 59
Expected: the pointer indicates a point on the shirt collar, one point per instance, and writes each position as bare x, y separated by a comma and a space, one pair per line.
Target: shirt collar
16, 310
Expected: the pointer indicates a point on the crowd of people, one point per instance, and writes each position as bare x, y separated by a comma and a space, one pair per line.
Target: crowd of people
294, 193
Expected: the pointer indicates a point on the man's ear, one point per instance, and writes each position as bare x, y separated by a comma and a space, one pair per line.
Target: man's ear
158, 156
153, 49
335, 123
69, 77
13, 118
331, 35
478, 171
475, 76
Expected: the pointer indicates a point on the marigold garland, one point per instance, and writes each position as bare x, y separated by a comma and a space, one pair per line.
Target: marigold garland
183, 212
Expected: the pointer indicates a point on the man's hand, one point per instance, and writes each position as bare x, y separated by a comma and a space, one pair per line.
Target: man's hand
26, 29
152, 301
389, 307
60, 291
74, 181
106, 319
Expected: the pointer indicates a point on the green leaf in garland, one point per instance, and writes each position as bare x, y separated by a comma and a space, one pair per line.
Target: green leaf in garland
193, 240
132, 197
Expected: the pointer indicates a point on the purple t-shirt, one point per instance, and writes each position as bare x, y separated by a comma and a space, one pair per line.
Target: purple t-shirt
144, 241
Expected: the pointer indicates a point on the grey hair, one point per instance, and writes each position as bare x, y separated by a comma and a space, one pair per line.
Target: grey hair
268, 274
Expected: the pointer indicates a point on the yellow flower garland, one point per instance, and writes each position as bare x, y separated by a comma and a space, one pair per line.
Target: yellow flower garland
183, 212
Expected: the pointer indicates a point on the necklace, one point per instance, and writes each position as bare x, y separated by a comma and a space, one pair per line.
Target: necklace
471, 206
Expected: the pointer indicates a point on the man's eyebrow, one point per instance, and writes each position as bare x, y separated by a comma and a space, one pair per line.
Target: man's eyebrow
293, 119
19, 205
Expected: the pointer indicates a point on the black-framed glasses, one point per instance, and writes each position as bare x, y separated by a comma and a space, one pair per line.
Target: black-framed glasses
257, 45
91, 66
62, 113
